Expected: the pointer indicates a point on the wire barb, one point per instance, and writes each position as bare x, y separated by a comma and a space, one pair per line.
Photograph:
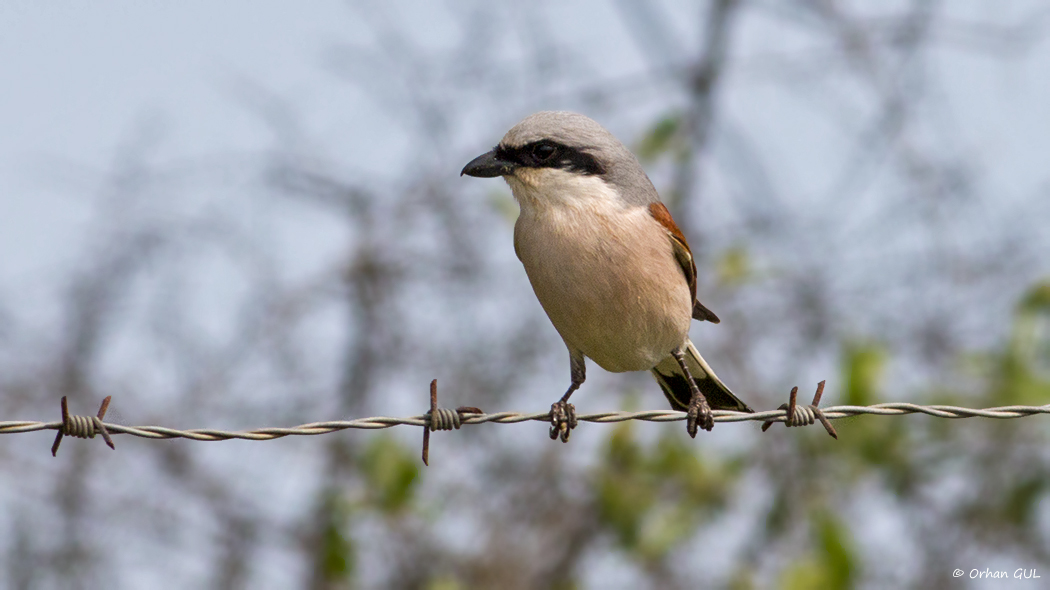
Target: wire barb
82, 426
796, 415
441, 419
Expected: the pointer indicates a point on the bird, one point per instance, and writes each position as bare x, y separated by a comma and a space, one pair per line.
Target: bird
609, 266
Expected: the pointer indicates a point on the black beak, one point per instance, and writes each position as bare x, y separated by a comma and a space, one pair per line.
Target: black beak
488, 165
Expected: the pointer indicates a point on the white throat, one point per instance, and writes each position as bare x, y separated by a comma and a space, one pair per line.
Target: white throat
542, 189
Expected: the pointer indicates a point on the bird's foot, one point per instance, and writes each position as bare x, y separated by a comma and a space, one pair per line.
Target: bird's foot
563, 420
699, 415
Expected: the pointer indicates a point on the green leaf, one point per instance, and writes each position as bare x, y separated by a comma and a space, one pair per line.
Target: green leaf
701, 484
659, 138
733, 266
833, 563
338, 554
862, 371
1037, 299
1029, 349
622, 493
652, 498
838, 554
391, 472
1021, 372
1023, 500
503, 203
804, 575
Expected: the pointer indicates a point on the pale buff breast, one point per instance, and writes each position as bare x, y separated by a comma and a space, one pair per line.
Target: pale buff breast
605, 274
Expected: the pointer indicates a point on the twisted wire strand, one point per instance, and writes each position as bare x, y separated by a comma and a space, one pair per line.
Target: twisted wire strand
444, 419
804, 415
82, 426
381, 422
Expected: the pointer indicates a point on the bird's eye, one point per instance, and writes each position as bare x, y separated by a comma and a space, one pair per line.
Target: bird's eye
543, 151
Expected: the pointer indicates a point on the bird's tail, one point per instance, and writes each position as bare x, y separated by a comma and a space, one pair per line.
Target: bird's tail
672, 380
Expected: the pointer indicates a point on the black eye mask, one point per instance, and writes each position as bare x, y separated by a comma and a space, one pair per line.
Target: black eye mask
551, 154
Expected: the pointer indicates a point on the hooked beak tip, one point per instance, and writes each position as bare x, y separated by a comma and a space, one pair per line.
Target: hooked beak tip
487, 165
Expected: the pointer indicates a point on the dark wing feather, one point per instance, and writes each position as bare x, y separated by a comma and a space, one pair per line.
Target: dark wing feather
703, 314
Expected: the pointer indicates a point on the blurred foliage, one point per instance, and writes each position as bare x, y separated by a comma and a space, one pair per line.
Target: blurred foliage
654, 498
338, 551
660, 138
864, 364
391, 473
1018, 507
733, 267
391, 477
872, 443
504, 205
837, 554
1036, 300
651, 497
1021, 372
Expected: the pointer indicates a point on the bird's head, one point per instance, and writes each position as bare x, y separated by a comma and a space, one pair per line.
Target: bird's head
561, 157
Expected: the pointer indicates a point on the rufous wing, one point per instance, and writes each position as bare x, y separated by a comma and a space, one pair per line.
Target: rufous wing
684, 256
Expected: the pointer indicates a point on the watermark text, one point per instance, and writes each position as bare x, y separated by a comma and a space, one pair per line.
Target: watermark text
1018, 574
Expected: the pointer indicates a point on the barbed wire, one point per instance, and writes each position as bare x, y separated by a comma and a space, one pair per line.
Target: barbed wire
792, 414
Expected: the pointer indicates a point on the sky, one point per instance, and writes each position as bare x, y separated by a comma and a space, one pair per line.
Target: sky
83, 82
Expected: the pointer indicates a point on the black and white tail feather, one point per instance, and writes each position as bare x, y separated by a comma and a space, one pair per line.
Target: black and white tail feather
675, 386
